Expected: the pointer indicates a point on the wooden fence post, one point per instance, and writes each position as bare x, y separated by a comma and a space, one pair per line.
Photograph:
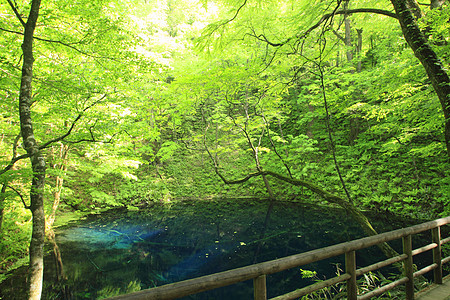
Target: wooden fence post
409, 269
350, 268
437, 256
259, 288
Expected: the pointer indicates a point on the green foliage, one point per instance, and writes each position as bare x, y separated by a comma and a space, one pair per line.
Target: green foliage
167, 150
15, 237
365, 283
107, 292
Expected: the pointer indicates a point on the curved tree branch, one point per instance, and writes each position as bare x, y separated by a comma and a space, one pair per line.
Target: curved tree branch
69, 131
237, 12
324, 18
330, 136
329, 197
21, 197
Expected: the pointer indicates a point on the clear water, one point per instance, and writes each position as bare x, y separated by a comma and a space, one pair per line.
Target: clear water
120, 251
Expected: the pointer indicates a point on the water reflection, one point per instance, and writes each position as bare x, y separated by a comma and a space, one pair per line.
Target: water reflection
120, 251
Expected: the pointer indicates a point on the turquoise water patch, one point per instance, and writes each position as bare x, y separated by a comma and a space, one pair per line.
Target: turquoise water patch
101, 236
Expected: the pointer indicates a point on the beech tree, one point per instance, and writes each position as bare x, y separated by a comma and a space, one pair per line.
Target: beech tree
34, 153
428, 58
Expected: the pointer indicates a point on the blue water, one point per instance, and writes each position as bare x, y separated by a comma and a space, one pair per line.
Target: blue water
120, 251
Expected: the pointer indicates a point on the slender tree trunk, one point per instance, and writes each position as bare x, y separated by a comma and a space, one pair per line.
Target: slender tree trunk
36, 269
353, 119
359, 50
426, 55
348, 35
2, 203
59, 181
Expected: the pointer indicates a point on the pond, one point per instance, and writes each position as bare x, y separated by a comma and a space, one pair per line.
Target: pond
121, 251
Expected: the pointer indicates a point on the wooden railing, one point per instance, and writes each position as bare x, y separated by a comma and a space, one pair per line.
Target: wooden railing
258, 272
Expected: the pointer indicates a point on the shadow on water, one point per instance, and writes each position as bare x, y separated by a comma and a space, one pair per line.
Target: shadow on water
121, 251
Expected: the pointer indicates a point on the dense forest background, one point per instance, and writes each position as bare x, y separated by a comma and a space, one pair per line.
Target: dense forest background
141, 102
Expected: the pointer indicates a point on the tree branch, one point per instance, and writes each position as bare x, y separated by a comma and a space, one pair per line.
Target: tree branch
332, 198
20, 195
56, 42
69, 131
324, 18
338, 35
275, 148
60, 138
383, 12
237, 12
16, 12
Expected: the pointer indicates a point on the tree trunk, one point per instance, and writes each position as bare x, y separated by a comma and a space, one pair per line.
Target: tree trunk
426, 55
59, 181
436, 3
354, 128
414, 7
36, 268
2, 203
359, 50
348, 35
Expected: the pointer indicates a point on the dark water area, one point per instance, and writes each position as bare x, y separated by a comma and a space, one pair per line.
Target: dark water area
122, 251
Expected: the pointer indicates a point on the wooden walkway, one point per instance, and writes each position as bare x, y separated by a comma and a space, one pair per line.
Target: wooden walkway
436, 291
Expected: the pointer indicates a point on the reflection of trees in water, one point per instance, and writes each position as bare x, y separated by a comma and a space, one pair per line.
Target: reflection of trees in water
189, 241
61, 283
263, 231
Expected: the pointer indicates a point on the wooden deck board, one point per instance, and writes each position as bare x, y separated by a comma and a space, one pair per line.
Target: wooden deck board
436, 291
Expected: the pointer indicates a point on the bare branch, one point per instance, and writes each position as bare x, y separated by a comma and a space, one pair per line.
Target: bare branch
274, 147
338, 35
213, 27
323, 19
16, 12
237, 12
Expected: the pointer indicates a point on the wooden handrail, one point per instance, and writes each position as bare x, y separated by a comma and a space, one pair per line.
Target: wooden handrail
213, 281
